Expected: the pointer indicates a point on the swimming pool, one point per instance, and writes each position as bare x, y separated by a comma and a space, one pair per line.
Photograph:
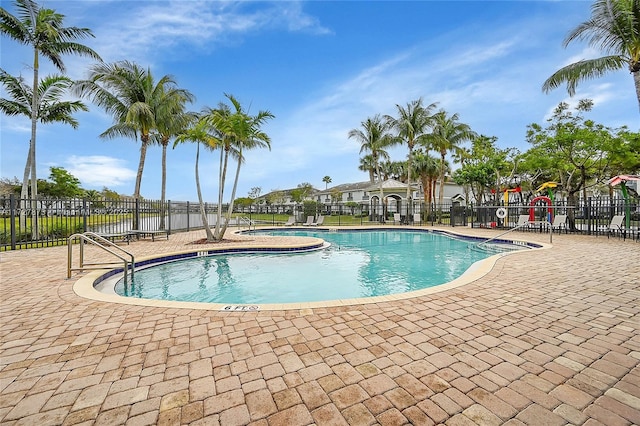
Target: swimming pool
357, 264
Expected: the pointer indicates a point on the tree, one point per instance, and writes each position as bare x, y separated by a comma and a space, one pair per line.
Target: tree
255, 191
573, 148
130, 93
10, 186
44, 30
299, 194
448, 136
394, 170
274, 197
63, 183
238, 131
412, 125
336, 196
625, 153
327, 181
483, 167
200, 133
171, 119
51, 109
614, 29
244, 202
108, 193
426, 168
367, 164
374, 138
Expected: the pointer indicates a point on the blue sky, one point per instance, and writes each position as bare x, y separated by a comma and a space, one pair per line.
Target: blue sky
321, 67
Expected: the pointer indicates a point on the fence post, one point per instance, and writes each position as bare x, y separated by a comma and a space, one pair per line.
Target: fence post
169, 217
84, 215
205, 212
12, 207
587, 215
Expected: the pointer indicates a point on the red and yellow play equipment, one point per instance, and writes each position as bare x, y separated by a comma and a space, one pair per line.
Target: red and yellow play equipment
549, 186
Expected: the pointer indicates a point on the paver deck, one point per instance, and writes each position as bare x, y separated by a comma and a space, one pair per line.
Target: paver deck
548, 337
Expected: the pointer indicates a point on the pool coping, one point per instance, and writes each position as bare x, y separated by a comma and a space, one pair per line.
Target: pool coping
85, 286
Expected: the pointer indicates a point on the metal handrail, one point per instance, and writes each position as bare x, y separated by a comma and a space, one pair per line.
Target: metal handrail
104, 244
248, 221
518, 227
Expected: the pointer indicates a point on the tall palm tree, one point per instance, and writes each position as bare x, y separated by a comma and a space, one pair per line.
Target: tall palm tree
200, 133
171, 119
44, 30
614, 29
129, 93
448, 136
51, 107
412, 124
239, 131
327, 181
426, 168
374, 137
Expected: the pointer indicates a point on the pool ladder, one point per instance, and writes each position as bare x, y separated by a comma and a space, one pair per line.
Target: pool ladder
94, 239
247, 221
482, 243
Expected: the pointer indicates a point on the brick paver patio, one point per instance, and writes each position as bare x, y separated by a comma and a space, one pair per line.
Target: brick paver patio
549, 337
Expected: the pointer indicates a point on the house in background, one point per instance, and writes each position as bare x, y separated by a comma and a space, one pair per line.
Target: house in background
394, 197
360, 197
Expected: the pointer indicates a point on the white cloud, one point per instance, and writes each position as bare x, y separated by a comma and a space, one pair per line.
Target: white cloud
99, 170
204, 24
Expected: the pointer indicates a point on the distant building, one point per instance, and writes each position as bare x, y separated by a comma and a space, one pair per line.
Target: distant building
363, 197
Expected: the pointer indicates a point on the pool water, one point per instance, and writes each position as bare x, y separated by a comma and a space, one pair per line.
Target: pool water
357, 264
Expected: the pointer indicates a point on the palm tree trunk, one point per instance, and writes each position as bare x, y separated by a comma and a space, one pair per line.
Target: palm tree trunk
203, 212
32, 146
409, 165
136, 192
143, 153
223, 175
636, 80
164, 183
382, 218
441, 189
233, 196
24, 193
431, 190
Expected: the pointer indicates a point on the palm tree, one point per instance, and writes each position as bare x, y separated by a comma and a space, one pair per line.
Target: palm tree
130, 93
448, 136
426, 168
171, 119
368, 165
614, 28
394, 170
239, 131
199, 132
327, 181
412, 124
50, 108
43, 30
374, 137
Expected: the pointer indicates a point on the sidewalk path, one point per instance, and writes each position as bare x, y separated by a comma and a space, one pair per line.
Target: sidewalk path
550, 337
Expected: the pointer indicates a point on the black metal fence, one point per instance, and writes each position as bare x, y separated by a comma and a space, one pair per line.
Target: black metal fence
49, 222
592, 216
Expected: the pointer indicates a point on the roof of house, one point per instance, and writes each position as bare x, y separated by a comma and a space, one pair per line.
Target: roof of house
345, 187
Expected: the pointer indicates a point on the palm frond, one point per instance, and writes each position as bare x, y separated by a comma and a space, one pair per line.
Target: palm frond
579, 71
